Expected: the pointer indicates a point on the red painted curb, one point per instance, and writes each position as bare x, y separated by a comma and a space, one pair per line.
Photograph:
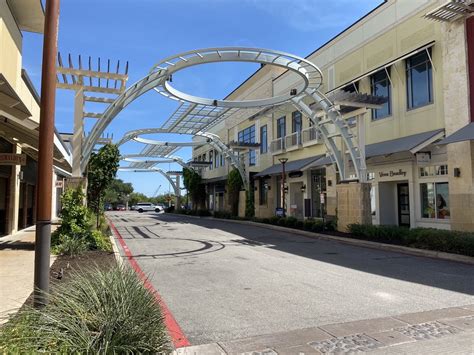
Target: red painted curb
174, 330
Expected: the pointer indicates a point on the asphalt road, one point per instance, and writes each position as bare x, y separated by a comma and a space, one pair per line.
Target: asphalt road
225, 281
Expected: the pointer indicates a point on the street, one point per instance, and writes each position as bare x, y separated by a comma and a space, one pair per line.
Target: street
222, 280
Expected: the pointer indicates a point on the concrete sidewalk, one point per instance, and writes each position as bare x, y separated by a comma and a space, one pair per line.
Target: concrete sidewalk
441, 331
17, 258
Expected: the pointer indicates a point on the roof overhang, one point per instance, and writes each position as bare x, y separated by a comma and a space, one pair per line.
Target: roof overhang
464, 134
29, 14
10, 102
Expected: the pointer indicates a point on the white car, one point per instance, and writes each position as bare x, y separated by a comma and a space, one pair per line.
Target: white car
146, 207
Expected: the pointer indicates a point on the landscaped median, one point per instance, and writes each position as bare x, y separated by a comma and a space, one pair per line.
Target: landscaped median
420, 241
95, 305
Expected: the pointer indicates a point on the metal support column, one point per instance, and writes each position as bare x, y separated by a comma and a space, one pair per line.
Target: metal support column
45, 154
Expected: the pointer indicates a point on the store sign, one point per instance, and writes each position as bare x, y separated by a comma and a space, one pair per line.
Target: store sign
279, 212
322, 198
392, 173
12, 159
59, 184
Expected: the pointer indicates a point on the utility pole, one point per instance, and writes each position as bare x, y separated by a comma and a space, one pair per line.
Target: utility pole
45, 153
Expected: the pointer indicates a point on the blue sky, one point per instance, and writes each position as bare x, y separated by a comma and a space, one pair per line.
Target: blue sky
146, 31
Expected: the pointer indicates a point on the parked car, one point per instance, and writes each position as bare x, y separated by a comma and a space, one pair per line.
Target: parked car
108, 207
161, 206
146, 207
121, 208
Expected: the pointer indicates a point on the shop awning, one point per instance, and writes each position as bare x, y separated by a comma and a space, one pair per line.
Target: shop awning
412, 144
464, 134
290, 166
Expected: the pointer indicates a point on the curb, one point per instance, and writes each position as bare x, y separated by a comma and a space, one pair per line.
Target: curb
116, 250
356, 242
175, 333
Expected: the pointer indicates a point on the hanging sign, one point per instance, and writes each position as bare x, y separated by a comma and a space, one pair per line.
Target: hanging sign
322, 198
12, 159
59, 184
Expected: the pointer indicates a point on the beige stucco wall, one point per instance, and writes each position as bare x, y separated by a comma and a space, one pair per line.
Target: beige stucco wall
456, 100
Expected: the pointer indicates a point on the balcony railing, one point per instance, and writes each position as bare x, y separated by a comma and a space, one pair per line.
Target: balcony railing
277, 145
310, 136
293, 140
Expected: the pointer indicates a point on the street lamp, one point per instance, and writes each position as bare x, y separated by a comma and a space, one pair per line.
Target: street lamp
283, 162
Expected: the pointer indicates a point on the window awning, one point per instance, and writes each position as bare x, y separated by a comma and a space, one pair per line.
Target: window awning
295, 165
411, 144
464, 134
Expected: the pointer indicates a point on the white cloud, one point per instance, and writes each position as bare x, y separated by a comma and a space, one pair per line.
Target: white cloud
314, 15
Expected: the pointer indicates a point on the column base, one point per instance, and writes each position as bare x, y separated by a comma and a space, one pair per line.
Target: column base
353, 204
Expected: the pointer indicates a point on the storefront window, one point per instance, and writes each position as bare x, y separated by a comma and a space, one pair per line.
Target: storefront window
434, 170
435, 200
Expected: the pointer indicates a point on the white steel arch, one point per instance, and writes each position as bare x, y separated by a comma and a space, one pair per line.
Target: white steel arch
155, 170
205, 112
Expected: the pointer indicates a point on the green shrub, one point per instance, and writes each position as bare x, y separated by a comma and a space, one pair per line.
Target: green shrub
222, 214
66, 245
299, 224
265, 220
330, 225
422, 238
308, 224
97, 312
291, 222
274, 220
318, 226
203, 213
281, 222
99, 241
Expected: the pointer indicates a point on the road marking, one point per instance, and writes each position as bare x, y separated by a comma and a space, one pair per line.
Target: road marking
174, 330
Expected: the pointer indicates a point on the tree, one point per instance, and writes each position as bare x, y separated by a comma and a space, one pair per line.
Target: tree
234, 181
118, 192
193, 183
102, 170
136, 197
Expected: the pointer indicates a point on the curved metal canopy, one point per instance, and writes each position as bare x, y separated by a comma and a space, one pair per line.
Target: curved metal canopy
196, 115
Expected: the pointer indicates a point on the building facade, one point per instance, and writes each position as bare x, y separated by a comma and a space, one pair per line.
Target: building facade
422, 68
19, 122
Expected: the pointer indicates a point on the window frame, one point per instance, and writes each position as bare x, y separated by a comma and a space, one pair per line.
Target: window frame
247, 135
409, 83
296, 117
264, 145
278, 125
373, 83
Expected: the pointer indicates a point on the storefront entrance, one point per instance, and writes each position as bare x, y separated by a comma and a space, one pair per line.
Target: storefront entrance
403, 199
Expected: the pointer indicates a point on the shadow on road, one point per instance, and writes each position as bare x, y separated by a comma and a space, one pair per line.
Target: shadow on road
442, 274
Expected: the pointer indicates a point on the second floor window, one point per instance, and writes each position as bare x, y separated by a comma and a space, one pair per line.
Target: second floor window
296, 122
419, 80
211, 160
281, 127
247, 135
263, 139
381, 87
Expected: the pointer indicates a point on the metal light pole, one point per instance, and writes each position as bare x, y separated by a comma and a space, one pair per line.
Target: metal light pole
283, 162
45, 153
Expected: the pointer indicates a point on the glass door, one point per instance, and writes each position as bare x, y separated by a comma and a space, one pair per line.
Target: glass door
403, 205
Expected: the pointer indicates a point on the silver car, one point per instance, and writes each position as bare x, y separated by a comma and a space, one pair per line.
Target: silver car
146, 207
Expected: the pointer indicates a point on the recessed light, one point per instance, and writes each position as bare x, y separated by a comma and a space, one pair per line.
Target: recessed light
15, 139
